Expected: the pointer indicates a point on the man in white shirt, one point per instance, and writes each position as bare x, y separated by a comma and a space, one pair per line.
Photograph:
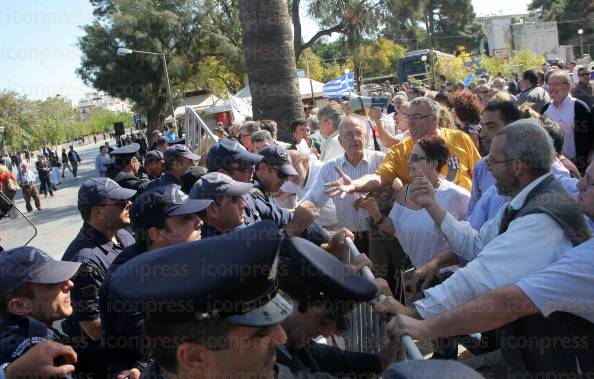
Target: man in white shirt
566, 285
513, 244
574, 117
26, 180
329, 117
355, 162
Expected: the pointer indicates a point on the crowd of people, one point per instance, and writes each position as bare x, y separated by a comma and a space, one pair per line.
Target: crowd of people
231, 262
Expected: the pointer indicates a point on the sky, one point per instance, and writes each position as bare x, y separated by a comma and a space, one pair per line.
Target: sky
38, 53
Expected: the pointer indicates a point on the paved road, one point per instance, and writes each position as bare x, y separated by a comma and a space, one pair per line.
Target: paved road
59, 221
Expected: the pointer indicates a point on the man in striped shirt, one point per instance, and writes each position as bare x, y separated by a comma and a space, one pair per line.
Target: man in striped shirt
355, 162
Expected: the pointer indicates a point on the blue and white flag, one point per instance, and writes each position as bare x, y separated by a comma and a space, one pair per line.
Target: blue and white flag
340, 87
468, 80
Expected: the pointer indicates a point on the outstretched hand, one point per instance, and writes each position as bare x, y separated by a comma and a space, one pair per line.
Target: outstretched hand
341, 186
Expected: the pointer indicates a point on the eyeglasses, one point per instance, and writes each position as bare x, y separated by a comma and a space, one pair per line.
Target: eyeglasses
416, 158
489, 161
417, 117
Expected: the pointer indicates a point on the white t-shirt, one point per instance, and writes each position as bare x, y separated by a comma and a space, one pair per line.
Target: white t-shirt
327, 210
388, 125
566, 285
419, 236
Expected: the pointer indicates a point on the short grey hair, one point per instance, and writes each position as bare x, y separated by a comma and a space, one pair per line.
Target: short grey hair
431, 104
560, 74
312, 121
333, 112
527, 141
360, 121
261, 135
400, 96
250, 127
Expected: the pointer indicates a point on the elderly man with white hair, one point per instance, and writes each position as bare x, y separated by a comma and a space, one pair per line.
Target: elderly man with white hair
574, 117
356, 161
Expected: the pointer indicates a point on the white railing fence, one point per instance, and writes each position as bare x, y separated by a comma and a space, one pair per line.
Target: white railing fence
199, 137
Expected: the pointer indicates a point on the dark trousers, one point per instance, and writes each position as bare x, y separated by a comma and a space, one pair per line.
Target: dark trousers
74, 168
66, 165
45, 185
29, 192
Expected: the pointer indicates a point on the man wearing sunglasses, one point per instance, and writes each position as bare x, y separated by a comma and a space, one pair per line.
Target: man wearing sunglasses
583, 88
104, 206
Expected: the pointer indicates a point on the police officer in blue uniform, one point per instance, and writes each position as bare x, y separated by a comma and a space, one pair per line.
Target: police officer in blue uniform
125, 169
162, 217
178, 160
34, 292
226, 212
154, 163
217, 307
104, 207
323, 290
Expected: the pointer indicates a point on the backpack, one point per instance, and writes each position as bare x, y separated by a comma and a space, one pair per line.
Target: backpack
12, 184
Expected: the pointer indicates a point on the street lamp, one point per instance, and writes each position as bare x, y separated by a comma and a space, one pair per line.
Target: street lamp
580, 33
122, 51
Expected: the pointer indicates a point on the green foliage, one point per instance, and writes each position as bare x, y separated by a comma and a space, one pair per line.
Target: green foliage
380, 57
316, 69
455, 68
454, 25
526, 60
49, 122
187, 31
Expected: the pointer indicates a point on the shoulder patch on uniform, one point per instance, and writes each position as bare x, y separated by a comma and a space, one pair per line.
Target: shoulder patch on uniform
26, 345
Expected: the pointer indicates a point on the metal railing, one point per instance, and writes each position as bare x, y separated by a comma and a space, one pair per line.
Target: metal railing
197, 133
365, 323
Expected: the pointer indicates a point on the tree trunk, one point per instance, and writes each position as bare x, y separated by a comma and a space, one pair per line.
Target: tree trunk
270, 59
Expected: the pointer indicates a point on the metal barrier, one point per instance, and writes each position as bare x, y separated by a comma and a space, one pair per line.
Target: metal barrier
196, 131
366, 326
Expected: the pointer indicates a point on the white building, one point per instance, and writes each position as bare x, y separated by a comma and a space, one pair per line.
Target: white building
498, 33
98, 100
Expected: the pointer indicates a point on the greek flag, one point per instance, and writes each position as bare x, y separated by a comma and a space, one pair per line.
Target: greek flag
340, 87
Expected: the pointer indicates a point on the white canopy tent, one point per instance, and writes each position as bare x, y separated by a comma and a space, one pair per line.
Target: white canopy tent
304, 88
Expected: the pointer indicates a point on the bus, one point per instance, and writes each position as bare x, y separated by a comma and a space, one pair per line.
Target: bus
412, 65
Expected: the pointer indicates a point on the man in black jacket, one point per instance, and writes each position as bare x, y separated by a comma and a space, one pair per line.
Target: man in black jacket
74, 160
43, 170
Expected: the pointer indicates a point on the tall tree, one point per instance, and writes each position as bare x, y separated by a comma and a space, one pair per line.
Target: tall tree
298, 43
571, 16
187, 31
270, 59
452, 24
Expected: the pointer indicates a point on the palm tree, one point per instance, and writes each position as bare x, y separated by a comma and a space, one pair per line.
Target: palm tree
270, 59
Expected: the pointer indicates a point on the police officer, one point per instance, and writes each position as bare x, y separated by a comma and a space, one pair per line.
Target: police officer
154, 164
217, 306
126, 166
178, 160
34, 292
104, 207
163, 217
226, 211
323, 291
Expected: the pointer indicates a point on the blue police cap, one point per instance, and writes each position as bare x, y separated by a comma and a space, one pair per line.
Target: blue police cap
127, 150
231, 278
162, 140
153, 155
228, 153
215, 184
179, 151
96, 190
152, 208
277, 156
313, 274
27, 264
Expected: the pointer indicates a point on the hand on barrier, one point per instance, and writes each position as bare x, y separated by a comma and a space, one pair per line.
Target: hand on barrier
403, 325
423, 276
338, 247
304, 215
359, 262
341, 186
383, 287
